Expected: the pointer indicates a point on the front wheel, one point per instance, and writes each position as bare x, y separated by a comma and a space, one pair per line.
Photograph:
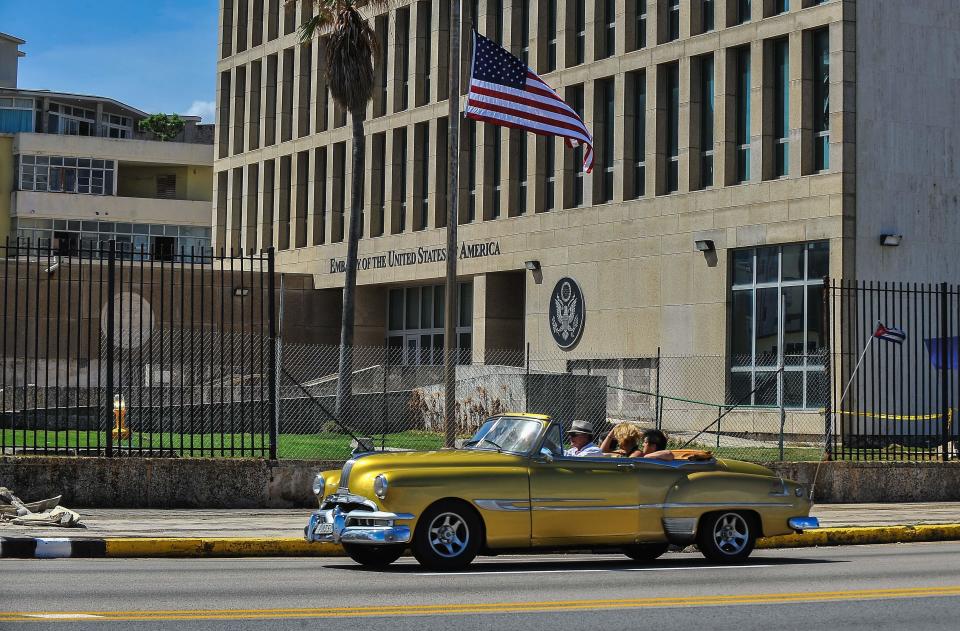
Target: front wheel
373, 556
645, 551
448, 536
726, 537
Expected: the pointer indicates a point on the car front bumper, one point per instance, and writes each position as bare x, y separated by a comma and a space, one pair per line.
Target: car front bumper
800, 524
357, 526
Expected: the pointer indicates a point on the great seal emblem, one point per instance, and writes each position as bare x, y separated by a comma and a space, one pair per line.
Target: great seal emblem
567, 313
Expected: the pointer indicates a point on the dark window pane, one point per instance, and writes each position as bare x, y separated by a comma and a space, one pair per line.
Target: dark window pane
741, 328
793, 388
413, 308
466, 305
426, 307
766, 333
818, 389
439, 305
741, 383
792, 262
767, 265
815, 334
818, 260
396, 309
793, 325
743, 267
766, 385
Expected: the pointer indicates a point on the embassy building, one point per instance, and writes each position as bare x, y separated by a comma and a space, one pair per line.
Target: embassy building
745, 150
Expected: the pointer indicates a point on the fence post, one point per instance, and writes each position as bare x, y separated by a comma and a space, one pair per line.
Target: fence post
828, 368
657, 405
386, 398
944, 373
272, 369
526, 383
108, 399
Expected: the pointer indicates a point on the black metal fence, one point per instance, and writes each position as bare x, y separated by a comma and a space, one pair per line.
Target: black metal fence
137, 352
894, 401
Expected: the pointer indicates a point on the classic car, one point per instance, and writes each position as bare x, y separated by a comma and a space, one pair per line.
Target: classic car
510, 489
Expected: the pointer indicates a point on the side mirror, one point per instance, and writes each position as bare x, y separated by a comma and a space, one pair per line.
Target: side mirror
546, 455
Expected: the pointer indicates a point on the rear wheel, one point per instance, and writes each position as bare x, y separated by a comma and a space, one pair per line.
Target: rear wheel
727, 537
645, 551
373, 556
448, 536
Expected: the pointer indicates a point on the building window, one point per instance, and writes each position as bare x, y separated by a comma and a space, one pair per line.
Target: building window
524, 36
403, 59
575, 100
551, 36
639, 80
497, 179
167, 186
424, 198
427, 49
609, 27
415, 324
742, 14
496, 8
821, 99
742, 58
71, 121
780, 6
57, 174
707, 15
522, 175
550, 174
400, 138
706, 120
672, 92
673, 20
471, 169
640, 28
116, 126
781, 106
16, 115
776, 319
606, 116
580, 31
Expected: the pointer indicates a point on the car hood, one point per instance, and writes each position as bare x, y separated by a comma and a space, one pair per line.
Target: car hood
362, 464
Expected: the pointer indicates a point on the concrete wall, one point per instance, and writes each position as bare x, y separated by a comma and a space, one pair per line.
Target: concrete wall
36, 205
143, 151
6, 183
207, 483
908, 161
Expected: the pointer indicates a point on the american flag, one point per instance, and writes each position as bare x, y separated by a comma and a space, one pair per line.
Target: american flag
505, 92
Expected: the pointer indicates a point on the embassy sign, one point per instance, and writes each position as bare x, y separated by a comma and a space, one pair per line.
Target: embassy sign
419, 256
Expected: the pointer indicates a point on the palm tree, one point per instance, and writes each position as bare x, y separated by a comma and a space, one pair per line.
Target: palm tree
349, 46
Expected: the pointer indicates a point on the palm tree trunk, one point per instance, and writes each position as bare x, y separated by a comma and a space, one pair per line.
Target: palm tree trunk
345, 382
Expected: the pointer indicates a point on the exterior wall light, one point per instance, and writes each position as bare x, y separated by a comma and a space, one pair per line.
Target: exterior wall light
704, 245
240, 292
533, 266
892, 240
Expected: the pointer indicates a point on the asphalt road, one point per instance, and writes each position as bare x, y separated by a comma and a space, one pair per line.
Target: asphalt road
915, 586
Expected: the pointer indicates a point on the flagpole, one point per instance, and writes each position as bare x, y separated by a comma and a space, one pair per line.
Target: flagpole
453, 189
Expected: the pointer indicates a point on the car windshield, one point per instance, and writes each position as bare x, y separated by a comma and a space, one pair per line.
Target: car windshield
505, 433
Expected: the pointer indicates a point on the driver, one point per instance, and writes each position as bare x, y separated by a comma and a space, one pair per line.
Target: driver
581, 437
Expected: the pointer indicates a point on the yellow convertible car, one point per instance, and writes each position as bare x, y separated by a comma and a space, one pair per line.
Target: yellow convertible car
510, 489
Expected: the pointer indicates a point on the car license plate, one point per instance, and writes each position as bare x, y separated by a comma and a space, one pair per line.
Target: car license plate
323, 529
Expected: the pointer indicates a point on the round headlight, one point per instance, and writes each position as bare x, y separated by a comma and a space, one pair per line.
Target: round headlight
380, 486
319, 484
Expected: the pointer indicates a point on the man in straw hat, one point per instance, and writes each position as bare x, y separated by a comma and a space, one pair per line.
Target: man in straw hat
581, 437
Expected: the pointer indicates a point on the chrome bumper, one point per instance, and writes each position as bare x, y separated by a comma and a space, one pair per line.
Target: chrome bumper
358, 526
803, 523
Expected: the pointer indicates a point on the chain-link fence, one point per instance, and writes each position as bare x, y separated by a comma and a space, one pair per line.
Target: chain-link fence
700, 402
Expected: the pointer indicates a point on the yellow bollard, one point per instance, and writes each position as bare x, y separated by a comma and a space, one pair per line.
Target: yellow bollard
120, 429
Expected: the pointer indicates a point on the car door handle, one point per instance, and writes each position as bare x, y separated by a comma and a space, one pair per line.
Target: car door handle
627, 466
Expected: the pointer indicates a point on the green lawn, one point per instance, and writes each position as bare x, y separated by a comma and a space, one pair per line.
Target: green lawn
321, 446
332, 446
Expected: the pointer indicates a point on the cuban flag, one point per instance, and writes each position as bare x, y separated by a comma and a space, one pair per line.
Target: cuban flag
890, 334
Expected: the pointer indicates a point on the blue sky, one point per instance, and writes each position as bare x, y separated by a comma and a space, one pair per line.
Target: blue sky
157, 55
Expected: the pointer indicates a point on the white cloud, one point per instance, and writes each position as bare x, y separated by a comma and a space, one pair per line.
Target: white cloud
204, 109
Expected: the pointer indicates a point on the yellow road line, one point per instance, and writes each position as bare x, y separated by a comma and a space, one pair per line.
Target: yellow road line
481, 608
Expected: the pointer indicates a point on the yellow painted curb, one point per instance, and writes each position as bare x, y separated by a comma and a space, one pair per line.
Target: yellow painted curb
219, 547
861, 535
193, 547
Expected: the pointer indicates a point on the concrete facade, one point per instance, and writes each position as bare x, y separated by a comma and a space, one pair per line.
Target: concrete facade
284, 158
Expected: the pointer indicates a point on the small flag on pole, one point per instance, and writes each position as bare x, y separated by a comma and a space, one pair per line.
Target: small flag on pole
890, 334
505, 92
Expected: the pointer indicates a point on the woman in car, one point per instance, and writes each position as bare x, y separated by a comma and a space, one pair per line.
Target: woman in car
631, 442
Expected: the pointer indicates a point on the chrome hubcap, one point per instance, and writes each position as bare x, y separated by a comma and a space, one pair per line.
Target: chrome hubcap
449, 535
731, 533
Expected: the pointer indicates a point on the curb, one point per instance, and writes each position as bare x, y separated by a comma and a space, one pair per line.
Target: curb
198, 547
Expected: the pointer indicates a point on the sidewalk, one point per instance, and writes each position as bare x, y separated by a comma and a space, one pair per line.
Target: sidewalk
263, 523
